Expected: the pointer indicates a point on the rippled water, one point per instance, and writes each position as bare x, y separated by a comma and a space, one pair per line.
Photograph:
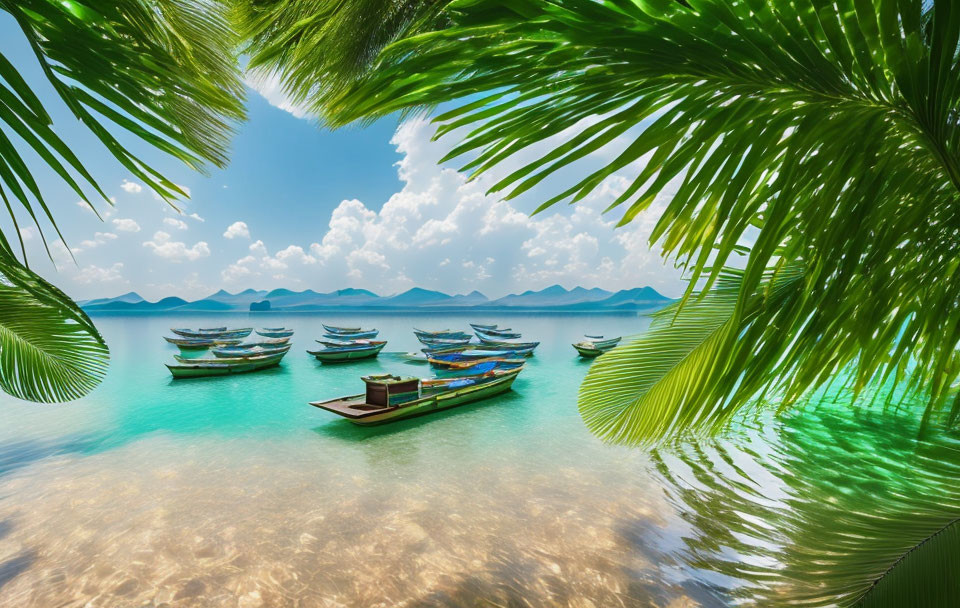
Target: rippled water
235, 492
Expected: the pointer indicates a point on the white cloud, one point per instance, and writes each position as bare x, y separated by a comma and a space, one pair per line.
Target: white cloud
126, 225
270, 88
197, 217
28, 233
99, 238
258, 248
95, 274
237, 230
174, 222
131, 187
176, 251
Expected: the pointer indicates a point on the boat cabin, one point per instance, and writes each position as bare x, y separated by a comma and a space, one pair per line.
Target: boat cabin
387, 390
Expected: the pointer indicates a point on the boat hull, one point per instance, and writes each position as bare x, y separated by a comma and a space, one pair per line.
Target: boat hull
346, 355
430, 404
226, 369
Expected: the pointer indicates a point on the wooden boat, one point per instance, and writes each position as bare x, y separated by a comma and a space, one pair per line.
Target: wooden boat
390, 398
483, 350
414, 357
444, 342
201, 343
333, 329
357, 335
595, 346
442, 334
507, 344
472, 355
336, 354
340, 343
275, 333
468, 364
242, 350
225, 334
198, 368
497, 334
487, 327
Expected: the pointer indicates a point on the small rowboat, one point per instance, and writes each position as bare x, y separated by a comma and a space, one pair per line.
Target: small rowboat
224, 333
595, 346
488, 327
444, 342
333, 329
357, 335
507, 345
499, 363
390, 398
275, 333
483, 350
442, 334
201, 343
497, 334
414, 357
336, 354
198, 368
340, 343
243, 350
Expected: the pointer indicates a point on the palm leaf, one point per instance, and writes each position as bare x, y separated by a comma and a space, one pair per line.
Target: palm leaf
50, 351
824, 506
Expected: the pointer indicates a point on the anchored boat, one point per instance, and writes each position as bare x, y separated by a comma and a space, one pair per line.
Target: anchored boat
363, 334
215, 333
244, 350
443, 334
497, 334
594, 346
278, 332
350, 352
390, 398
333, 329
198, 368
201, 343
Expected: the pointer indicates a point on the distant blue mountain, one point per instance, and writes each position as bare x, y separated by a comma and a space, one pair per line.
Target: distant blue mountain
552, 298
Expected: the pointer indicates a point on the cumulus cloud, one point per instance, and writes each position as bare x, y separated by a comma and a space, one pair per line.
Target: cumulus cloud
270, 87
443, 231
27, 233
237, 230
176, 251
131, 187
96, 274
99, 238
126, 225
197, 217
175, 223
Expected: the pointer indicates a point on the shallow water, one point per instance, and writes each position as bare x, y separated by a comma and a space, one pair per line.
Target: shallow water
235, 492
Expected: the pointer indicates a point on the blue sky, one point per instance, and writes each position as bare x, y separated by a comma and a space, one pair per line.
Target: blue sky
304, 207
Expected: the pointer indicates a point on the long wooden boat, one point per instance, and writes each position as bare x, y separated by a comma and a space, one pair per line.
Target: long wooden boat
473, 355
333, 329
594, 346
487, 327
225, 334
444, 342
201, 343
275, 333
241, 350
198, 368
441, 334
337, 354
507, 343
468, 364
391, 398
497, 334
345, 342
357, 335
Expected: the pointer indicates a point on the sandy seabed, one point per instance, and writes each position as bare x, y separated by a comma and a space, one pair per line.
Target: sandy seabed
164, 522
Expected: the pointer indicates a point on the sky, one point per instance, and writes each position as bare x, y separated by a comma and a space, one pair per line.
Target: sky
303, 207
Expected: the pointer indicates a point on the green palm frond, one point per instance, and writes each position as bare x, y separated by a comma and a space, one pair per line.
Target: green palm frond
50, 351
320, 47
164, 72
824, 506
825, 133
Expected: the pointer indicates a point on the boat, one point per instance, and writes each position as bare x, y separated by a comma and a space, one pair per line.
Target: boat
336, 354
333, 329
275, 333
469, 364
471, 355
475, 367
224, 333
357, 335
497, 334
483, 350
198, 368
441, 335
507, 343
339, 343
414, 357
201, 343
390, 398
595, 346
243, 350
488, 327
444, 342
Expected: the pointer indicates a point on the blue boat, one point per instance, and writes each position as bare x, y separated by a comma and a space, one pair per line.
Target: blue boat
357, 335
497, 334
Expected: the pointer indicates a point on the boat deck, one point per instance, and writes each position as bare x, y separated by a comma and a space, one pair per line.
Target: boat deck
354, 407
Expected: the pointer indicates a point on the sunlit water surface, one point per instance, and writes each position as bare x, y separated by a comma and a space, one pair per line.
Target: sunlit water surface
234, 492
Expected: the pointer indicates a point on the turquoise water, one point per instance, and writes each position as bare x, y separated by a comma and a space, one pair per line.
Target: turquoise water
234, 492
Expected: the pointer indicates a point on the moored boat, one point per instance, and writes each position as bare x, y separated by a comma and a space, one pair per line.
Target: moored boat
476, 364
594, 346
201, 343
444, 342
485, 350
275, 333
333, 329
508, 345
198, 368
336, 354
243, 350
497, 334
390, 398
487, 327
225, 334
357, 335
443, 334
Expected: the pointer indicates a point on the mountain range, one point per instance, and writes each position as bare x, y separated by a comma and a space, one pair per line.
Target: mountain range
551, 298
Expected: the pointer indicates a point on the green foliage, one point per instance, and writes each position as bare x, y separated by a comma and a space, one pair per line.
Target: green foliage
49, 349
824, 506
320, 47
162, 71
